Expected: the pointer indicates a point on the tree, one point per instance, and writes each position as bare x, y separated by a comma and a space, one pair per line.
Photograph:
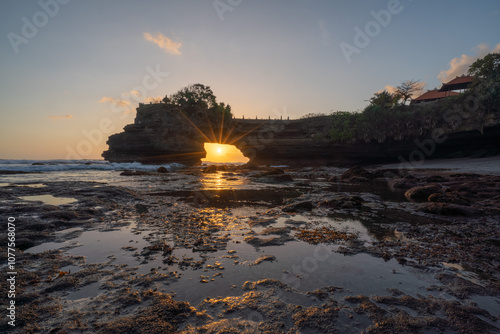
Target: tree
191, 95
486, 85
408, 89
383, 99
199, 104
487, 67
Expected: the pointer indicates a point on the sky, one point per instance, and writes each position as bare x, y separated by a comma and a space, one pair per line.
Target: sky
72, 72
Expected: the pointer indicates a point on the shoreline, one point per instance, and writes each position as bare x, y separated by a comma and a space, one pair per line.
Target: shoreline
222, 257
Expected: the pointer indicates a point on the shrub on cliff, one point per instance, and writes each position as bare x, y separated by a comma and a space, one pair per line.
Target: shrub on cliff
384, 118
343, 126
487, 83
198, 103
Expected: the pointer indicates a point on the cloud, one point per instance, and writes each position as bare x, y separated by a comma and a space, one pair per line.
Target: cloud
128, 99
116, 102
153, 99
390, 89
57, 117
460, 65
164, 42
134, 93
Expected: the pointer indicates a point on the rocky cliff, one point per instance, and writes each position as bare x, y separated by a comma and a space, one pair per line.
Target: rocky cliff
161, 134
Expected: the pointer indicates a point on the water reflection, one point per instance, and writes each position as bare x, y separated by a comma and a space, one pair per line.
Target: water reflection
221, 181
49, 199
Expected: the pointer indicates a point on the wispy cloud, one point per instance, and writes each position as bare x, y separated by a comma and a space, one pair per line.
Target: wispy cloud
460, 65
116, 102
164, 42
389, 88
152, 99
58, 117
129, 99
392, 89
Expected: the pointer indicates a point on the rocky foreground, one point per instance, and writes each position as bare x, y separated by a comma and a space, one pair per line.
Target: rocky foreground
213, 260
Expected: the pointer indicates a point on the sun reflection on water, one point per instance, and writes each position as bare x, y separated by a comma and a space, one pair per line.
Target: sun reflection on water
221, 181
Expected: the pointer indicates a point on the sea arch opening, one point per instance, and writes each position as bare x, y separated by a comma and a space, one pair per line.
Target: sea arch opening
223, 153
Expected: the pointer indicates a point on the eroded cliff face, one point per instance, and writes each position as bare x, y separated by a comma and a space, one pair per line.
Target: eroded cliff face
160, 134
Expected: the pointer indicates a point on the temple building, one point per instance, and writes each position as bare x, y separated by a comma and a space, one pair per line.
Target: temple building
451, 88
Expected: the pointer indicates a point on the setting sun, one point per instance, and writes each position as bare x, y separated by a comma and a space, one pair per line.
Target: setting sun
223, 153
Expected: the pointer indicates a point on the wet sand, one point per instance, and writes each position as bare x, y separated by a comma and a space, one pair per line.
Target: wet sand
234, 249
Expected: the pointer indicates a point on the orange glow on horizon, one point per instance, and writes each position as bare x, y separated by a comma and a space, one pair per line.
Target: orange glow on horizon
223, 153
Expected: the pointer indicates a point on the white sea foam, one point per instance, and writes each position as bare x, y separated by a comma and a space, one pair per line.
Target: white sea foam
75, 165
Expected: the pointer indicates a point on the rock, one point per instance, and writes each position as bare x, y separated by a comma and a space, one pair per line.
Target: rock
162, 170
141, 208
162, 134
273, 175
210, 169
333, 179
261, 222
263, 258
453, 198
386, 173
436, 178
38, 164
299, 206
8, 172
272, 171
280, 178
24, 243
403, 183
448, 209
422, 193
61, 215
343, 202
204, 248
357, 175
262, 242
134, 173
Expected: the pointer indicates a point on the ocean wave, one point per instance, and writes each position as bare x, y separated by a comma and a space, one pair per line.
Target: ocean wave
68, 165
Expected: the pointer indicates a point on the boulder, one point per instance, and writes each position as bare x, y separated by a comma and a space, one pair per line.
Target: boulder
448, 209
357, 175
402, 183
436, 178
344, 202
210, 169
299, 206
134, 173
162, 170
422, 193
452, 198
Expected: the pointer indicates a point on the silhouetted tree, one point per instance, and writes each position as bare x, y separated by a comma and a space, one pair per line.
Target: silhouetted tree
198, 103
487, 67
409, 88
487, 82
383, 99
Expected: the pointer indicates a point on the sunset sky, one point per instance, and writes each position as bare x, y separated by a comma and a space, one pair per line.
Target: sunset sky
73, 72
